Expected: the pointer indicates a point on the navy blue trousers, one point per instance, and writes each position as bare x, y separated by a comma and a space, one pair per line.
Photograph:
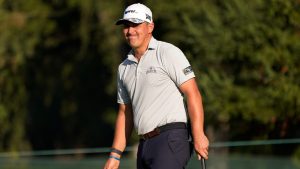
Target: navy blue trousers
169, 150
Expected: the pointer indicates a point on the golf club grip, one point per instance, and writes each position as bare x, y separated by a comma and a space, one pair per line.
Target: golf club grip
203, 163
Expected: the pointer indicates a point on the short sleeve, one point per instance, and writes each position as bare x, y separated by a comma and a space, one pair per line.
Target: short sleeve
177, 65
122, 94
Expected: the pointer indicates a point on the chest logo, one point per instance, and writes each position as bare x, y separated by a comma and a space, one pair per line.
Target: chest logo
151, 69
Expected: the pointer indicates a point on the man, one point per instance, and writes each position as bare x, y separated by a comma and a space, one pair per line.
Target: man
151, 82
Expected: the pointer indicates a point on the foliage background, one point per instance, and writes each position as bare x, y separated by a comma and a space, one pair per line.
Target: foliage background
58, 62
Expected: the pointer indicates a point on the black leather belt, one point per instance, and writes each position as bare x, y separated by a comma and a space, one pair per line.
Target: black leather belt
158, 130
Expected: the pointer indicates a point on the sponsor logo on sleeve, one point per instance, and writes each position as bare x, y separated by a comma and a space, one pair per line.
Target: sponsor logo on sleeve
187, 70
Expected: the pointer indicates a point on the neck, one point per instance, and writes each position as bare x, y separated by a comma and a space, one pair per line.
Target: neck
139, 52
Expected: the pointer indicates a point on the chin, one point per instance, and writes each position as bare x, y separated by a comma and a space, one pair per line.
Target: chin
133, 45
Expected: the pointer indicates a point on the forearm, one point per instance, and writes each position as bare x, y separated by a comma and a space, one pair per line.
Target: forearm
196, 115
123, 127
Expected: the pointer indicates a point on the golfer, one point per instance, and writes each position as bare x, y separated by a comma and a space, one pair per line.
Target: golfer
152, 82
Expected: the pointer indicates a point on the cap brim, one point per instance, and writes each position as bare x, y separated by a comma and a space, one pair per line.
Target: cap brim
133, 20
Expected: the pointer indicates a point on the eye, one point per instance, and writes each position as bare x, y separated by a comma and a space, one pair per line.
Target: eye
134, 25
126, 25
130, 25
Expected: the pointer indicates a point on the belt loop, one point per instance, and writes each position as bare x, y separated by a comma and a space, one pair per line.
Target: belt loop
157, 130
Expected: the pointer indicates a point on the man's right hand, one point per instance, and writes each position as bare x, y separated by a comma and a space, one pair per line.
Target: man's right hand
112, 163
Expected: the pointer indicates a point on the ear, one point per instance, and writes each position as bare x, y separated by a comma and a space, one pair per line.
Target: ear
150, 27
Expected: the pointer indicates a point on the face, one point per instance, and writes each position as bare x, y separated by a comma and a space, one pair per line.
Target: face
138, 35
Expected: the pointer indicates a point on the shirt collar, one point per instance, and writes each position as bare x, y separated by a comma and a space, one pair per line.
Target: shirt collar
151, 46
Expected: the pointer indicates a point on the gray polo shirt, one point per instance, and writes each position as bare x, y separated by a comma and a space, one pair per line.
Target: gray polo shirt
152, 85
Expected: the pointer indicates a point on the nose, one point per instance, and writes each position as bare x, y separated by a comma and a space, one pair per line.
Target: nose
130, 29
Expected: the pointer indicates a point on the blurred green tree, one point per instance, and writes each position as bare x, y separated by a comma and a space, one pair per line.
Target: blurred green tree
21, 25
58, 61
72, 77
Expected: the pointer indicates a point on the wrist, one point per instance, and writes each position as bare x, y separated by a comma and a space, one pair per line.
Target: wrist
116, 151
198, 137
114, 157
115, 154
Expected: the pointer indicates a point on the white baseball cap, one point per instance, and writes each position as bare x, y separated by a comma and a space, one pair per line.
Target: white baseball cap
136, 13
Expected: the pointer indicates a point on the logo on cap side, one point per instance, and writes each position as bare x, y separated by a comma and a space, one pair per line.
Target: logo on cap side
148, 17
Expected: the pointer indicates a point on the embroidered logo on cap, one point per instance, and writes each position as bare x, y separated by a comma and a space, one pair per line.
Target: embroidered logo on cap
130, 11
148, 17
187, 70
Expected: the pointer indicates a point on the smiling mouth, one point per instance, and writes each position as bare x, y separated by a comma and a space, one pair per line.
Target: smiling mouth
131, 36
